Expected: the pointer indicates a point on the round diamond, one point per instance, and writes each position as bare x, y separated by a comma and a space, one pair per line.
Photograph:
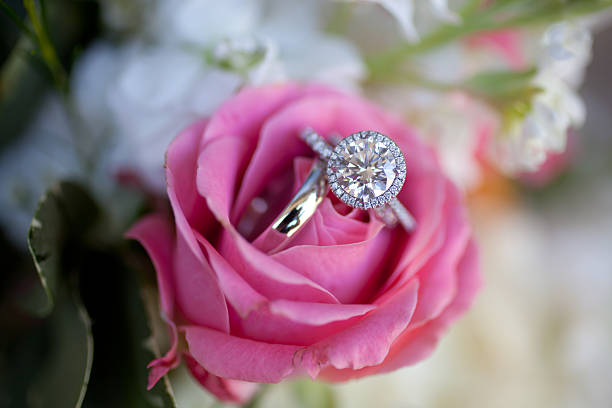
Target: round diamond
366, 167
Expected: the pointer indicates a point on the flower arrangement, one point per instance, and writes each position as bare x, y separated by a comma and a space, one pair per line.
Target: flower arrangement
201, 199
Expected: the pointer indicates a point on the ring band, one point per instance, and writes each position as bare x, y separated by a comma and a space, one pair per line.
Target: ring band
305, 202
364, 170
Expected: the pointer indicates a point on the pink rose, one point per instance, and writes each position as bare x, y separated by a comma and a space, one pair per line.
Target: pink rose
346, 298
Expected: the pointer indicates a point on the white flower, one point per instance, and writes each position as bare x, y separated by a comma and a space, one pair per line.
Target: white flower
203, 22
43, 155
455, 124
180, 59
563, 53
404, 12
306, 52
554, 111
566, 51
157, 92
191, 56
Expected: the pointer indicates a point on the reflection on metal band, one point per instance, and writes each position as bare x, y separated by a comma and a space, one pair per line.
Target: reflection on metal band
305, 202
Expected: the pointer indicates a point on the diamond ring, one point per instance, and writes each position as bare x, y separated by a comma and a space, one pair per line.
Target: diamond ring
365, 170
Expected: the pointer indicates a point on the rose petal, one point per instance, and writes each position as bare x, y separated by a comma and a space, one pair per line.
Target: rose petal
246, 300
197, 291
181, 158
237, 358
160, 366
245, 113
156, 235
295, 323
239, 293
344, 229
347, 271
268, 276
438, 276
226, 390
219, 165
317, 314
261, 104
428, 236
367, 343
198, 294
416, 344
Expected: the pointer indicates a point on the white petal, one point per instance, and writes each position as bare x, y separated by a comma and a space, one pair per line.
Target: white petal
43, 154
154, 77
403, 12
157, 93
204, 21
329, 60
271, 68
91, 76
560, 98
443, 12
566, 51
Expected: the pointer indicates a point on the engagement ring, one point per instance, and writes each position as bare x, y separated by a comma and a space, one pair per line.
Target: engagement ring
365, 170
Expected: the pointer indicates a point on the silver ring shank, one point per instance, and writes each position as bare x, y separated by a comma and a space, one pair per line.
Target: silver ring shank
305, 202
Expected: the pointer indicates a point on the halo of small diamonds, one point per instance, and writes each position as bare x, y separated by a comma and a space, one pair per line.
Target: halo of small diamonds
366, 170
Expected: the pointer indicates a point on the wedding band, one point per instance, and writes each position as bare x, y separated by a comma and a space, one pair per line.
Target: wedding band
365, 170
305, 202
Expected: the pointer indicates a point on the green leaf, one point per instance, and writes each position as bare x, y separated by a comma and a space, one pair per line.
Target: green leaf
46, 46
500, 83
25, 76
21, 88
75, 261
124, 343
508, 91
62, 220
62, 380
480, 17
12, 15
64, 214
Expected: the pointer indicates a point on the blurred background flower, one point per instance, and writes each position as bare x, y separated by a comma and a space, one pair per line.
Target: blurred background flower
413, 17
157, 67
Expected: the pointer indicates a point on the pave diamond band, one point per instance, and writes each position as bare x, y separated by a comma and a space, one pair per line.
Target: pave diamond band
317, 143
365, 170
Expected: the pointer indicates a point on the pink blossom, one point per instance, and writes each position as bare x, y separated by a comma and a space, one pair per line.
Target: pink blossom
506, 43
346, 297
554, 165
